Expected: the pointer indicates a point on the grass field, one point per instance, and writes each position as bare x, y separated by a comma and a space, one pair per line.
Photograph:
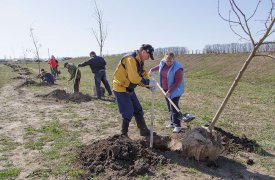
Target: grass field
250, 110
207, 79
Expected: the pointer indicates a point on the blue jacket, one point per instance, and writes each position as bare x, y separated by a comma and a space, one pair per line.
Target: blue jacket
96, 64
171, 75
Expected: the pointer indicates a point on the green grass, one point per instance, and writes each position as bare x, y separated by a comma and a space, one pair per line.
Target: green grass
7, 144
6, 74
9, 173
60, 140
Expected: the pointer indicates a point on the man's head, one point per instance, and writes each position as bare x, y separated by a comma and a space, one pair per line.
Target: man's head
169, 58
146, 51
65, 64
92, 54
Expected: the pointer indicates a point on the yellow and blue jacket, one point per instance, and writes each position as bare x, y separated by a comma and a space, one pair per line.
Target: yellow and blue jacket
129, 73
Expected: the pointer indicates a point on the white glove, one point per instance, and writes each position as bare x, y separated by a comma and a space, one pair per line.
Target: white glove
153, 85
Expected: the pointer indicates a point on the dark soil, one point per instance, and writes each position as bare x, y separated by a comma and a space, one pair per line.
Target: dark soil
119, 156
233, 143
27, 83
63, 95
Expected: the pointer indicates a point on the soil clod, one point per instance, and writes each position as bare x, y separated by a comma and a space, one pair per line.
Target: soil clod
120, 156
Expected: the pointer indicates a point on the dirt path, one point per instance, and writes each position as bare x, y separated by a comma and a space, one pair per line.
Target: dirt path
19, 111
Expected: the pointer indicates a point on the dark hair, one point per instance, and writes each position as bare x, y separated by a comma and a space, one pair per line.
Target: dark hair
92, 53
42, 69
170, 54
149, 49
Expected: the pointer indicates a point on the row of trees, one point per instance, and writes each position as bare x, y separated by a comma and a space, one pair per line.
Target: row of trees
237, 48
219, 49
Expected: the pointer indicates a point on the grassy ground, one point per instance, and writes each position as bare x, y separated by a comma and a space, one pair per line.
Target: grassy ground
207, 79
6, 74
250, 111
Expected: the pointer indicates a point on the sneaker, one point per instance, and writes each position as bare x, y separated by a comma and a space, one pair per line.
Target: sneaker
170, 126
177, 130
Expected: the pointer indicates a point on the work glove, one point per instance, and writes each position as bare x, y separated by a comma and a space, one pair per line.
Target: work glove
153, 85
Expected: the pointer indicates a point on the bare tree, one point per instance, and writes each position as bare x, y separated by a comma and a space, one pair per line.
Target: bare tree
37, 47
102, 32
241, 25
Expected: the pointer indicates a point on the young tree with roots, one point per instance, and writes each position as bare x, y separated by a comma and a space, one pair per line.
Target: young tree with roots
102, 34
241, 24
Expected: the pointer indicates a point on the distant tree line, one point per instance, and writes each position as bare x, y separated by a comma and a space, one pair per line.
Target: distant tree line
175, 50
237, 48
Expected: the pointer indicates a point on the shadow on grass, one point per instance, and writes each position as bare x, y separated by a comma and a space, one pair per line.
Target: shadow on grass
223, 167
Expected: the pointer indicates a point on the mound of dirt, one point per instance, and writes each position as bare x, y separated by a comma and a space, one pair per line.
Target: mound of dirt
57, 94
233, 143
118, 156
27, 83
201, 145
79, 97
18, 77
63, 95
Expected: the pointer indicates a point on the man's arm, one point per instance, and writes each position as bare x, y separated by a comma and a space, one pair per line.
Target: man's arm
85, 63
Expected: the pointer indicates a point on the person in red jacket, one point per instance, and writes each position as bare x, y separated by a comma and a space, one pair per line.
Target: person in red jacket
53, 65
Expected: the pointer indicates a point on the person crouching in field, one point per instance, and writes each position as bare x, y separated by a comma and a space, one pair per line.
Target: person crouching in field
72, 70
46, 77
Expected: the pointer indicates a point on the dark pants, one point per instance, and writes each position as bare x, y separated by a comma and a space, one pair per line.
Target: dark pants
101, 76
174, 115
54, 72
76, 85
128, 105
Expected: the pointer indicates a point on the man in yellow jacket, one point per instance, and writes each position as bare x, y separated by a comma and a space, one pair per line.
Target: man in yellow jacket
129, 73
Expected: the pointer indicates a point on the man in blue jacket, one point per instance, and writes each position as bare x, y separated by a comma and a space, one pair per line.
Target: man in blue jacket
97, 65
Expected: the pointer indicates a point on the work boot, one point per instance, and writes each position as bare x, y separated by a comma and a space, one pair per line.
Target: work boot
143, 130
124, 128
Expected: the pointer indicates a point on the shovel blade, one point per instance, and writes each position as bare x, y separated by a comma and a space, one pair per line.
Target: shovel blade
187, 117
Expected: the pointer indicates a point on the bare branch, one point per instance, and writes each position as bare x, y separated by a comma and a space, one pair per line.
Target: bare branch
102, 34
266, 55
255, 10
244, 25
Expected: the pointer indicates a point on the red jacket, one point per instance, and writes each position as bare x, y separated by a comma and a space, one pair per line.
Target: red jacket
52, 63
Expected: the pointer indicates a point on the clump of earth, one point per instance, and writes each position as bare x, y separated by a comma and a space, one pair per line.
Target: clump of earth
63, 95
119, 156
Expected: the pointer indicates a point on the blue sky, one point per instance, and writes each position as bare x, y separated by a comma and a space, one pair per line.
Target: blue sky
65, 26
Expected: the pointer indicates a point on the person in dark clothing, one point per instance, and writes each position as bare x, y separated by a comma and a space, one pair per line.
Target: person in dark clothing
97, 65
47, 77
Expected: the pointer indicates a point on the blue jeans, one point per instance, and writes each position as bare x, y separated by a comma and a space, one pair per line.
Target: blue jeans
101, 76
128, 105
174, 115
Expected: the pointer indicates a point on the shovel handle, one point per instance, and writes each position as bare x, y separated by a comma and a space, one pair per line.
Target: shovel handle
75, 76
173, 104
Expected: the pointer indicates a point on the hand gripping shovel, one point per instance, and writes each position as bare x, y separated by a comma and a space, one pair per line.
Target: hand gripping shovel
182, 117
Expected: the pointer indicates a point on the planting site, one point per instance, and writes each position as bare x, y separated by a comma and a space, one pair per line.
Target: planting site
49, 132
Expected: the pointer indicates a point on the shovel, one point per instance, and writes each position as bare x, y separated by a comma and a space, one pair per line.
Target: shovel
75, 77
182, 117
